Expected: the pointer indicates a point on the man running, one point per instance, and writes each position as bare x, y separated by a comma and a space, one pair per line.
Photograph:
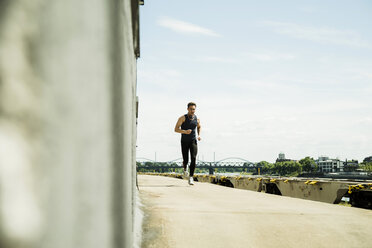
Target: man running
186, 125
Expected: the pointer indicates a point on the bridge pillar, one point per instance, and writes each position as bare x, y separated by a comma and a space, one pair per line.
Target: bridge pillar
211, 170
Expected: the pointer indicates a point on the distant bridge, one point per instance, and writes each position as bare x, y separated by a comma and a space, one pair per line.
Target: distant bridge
226, 163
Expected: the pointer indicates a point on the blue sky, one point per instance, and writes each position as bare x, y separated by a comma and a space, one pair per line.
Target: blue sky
267, 77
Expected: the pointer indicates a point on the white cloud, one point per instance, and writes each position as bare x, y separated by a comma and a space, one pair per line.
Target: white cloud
319, 34
271, 56
253, 129
185, 27
360, 73
214, 59
365, 120
160, 78
309, 9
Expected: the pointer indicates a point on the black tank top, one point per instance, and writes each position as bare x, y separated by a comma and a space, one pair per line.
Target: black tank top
189, 124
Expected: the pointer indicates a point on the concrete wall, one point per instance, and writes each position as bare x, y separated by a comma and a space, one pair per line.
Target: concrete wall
67, 123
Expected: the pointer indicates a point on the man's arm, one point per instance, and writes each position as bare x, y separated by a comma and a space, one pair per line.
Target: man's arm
198, 129
178, 129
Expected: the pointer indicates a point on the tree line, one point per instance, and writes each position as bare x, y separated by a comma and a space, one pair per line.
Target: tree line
282, 168
288, 168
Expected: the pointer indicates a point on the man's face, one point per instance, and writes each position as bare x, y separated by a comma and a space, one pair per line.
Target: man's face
191, 109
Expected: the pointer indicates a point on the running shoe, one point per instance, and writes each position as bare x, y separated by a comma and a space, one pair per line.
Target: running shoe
191, 181
185, 173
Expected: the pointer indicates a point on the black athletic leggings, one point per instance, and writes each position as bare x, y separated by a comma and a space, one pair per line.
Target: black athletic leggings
191, 146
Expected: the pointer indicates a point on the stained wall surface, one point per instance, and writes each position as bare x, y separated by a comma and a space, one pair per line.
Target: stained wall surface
67, 122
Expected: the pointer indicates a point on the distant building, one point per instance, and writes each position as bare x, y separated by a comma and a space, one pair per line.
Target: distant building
351, 165
281, 158
323, 158
325, 164
367, 159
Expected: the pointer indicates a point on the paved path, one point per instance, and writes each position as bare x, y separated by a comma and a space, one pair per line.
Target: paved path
206, 215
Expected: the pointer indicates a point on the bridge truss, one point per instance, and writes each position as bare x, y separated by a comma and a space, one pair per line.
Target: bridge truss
227, 163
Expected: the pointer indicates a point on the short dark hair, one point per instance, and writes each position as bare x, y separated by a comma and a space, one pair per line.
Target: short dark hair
191, 104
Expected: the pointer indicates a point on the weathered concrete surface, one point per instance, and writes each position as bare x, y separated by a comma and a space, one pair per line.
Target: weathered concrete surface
207, 215
67, 123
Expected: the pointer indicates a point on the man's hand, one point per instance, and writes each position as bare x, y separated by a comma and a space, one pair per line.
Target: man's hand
199, 138
188, 131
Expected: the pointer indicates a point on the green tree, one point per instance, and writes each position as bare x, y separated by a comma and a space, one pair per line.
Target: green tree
287, 168
308, 164
266, 167
366, 166
148, 163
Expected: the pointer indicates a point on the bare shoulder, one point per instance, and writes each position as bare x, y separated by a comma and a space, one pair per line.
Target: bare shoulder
181, 119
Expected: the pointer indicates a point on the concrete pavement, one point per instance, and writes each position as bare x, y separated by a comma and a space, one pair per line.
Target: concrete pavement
206, 215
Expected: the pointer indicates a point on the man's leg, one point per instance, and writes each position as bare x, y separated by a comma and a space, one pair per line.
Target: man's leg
193, 152
185, 154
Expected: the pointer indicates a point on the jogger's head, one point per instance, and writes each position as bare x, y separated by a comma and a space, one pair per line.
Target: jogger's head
191, 106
